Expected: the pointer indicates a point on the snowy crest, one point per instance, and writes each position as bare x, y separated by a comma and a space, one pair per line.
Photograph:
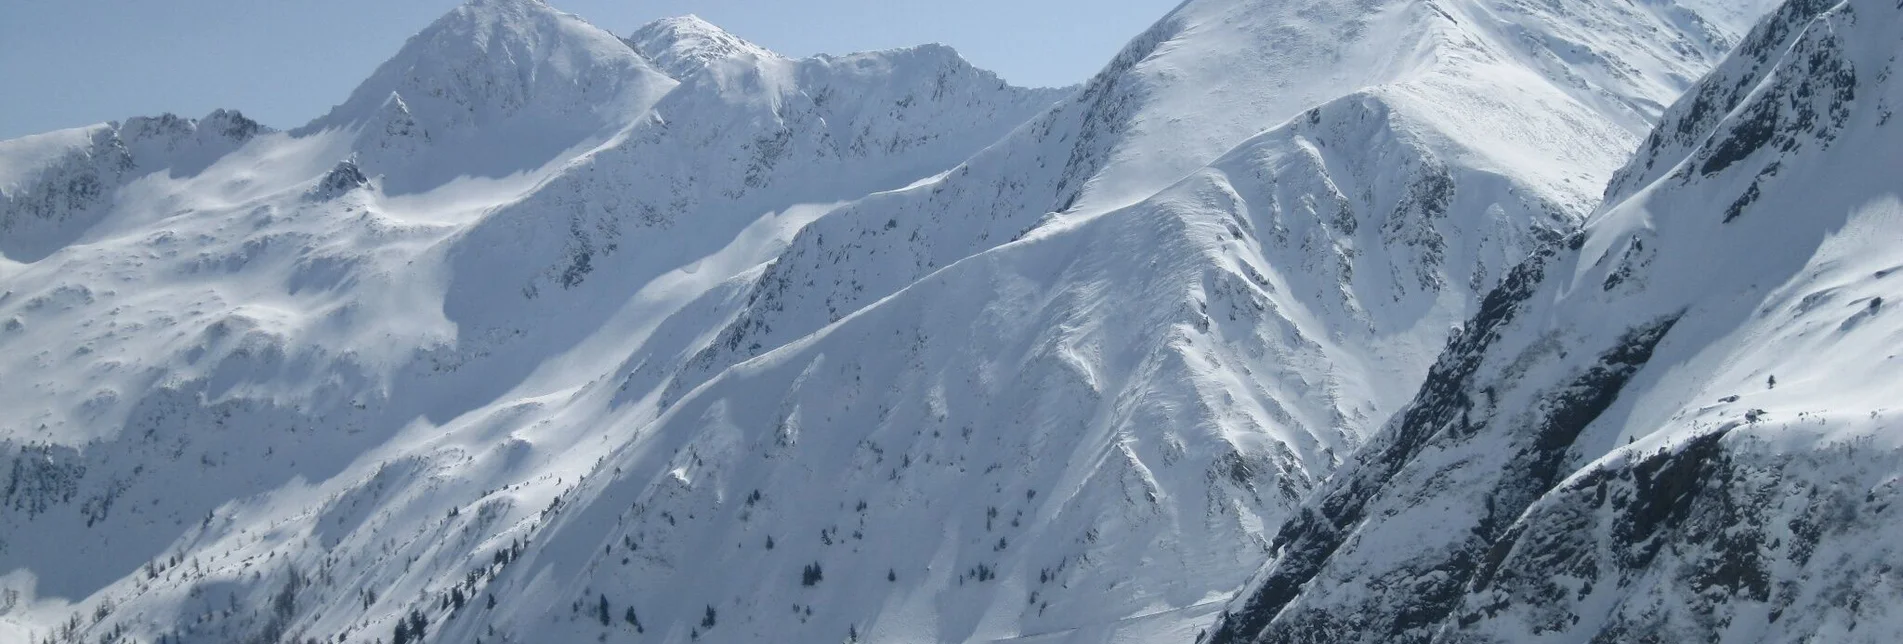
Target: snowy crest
491, 60
492, 75
683, 45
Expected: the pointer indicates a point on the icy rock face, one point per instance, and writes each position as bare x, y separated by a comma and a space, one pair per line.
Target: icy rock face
341, 179
1670, 427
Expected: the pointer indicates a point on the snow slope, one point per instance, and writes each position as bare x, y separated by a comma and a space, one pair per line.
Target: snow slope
548, 335
1673, 426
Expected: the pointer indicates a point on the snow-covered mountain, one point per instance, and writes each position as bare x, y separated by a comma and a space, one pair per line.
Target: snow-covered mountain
549, 335
1676, 425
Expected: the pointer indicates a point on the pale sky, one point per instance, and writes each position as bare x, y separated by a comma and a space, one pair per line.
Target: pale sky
66, 63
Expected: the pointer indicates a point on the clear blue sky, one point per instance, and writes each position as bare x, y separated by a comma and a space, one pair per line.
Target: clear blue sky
66, 63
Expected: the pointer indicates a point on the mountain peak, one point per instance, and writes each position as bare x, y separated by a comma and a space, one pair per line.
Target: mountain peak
682, 45
684, 23
489, 60
488, 14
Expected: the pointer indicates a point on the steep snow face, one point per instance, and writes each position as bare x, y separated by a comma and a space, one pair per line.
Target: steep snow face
1674, 426
493, 88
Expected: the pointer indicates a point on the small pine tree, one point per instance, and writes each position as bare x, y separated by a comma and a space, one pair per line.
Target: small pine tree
418, 625
603, 610
891, 575
632, 620
769, 542
707, 621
